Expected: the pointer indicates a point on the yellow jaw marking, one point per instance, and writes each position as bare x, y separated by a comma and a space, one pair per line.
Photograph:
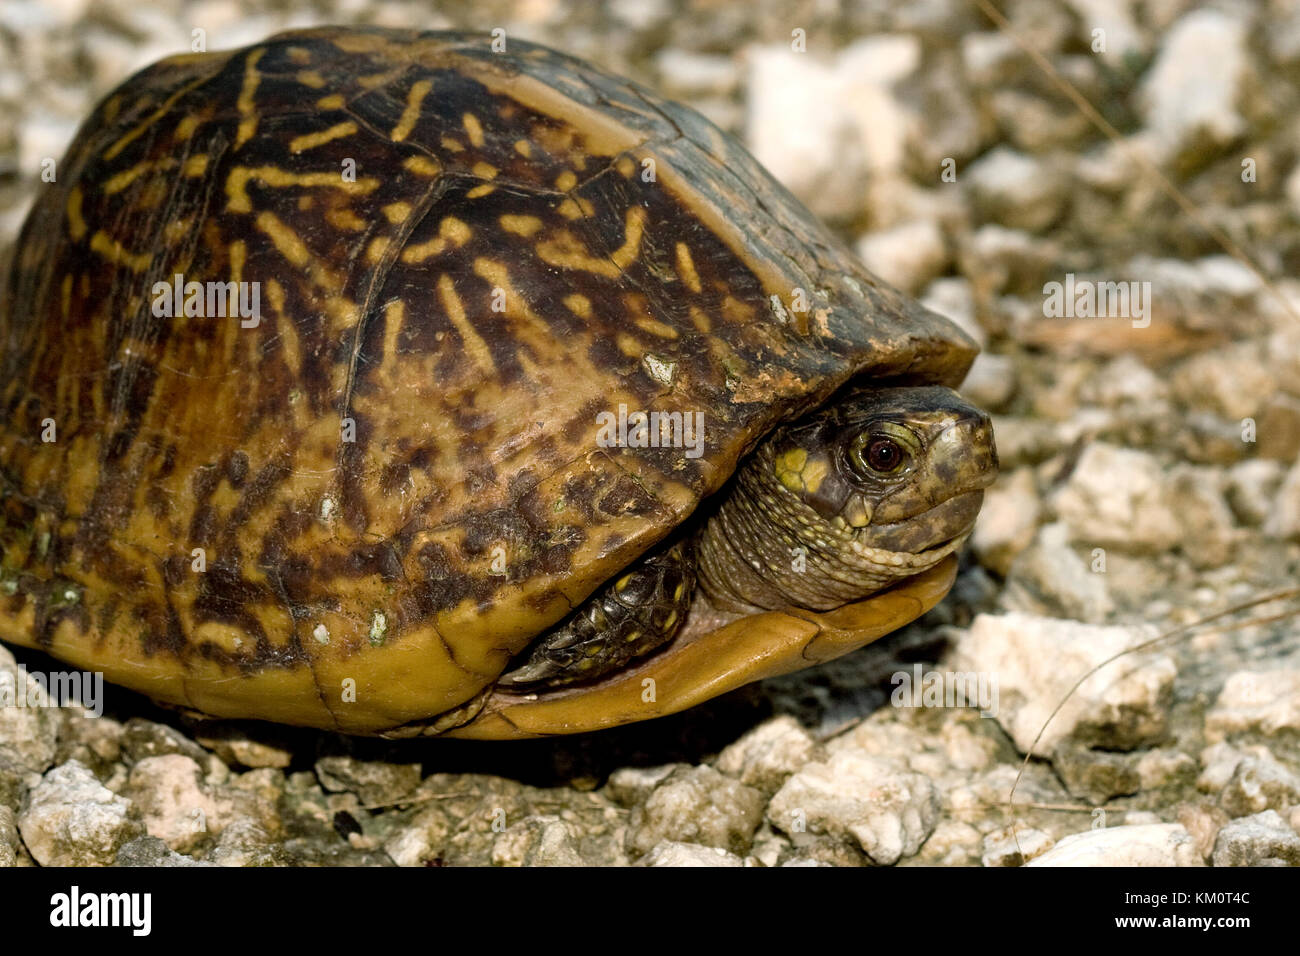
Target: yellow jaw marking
857, 512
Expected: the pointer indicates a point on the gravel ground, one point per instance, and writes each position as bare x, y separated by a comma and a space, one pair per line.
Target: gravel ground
1151, 468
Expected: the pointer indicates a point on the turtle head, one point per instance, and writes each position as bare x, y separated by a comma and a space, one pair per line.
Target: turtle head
877, 486
904, 468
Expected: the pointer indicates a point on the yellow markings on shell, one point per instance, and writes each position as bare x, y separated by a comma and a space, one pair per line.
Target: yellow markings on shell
414, 99
217, 636
345, 219
65, 295
498, 276
375, 80
627, 253
375, 251
421, 166
456, 231
344, 313
186, 127
625, 166
475, 347
310, 78
484, 171
311, 140
130, 137
473, 129
452, 233
451, 144
661, 329
115, 252
288, 337
686, 268
524, 148
604, 134
359, 42
566, 181
195, 166
480, 191
701, 319
178, 229
334, 101
287, 242
238, 252
733, 310
578, 304
564, 251
237, 183
76, 222
232, 343
246, 102
394, 318
520, 225
558, 140
290, 245
629, 345
116, 184
397, 212
570, 209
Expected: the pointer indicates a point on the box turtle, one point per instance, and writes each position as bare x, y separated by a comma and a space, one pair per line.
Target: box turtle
405, 383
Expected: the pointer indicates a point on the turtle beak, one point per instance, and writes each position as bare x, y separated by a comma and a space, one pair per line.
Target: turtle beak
944, 522
973, 446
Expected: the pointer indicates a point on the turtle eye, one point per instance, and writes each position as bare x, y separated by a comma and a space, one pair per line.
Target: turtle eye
883, 455
878, 453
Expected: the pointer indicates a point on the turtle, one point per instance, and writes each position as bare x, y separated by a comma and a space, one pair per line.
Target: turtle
413, 383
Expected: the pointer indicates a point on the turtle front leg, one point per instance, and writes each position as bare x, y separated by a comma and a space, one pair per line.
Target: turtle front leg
639, 611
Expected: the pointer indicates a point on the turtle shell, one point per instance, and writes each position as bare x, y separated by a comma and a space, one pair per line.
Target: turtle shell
350, 505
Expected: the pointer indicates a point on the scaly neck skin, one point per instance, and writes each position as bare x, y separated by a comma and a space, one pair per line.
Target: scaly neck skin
748, 557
